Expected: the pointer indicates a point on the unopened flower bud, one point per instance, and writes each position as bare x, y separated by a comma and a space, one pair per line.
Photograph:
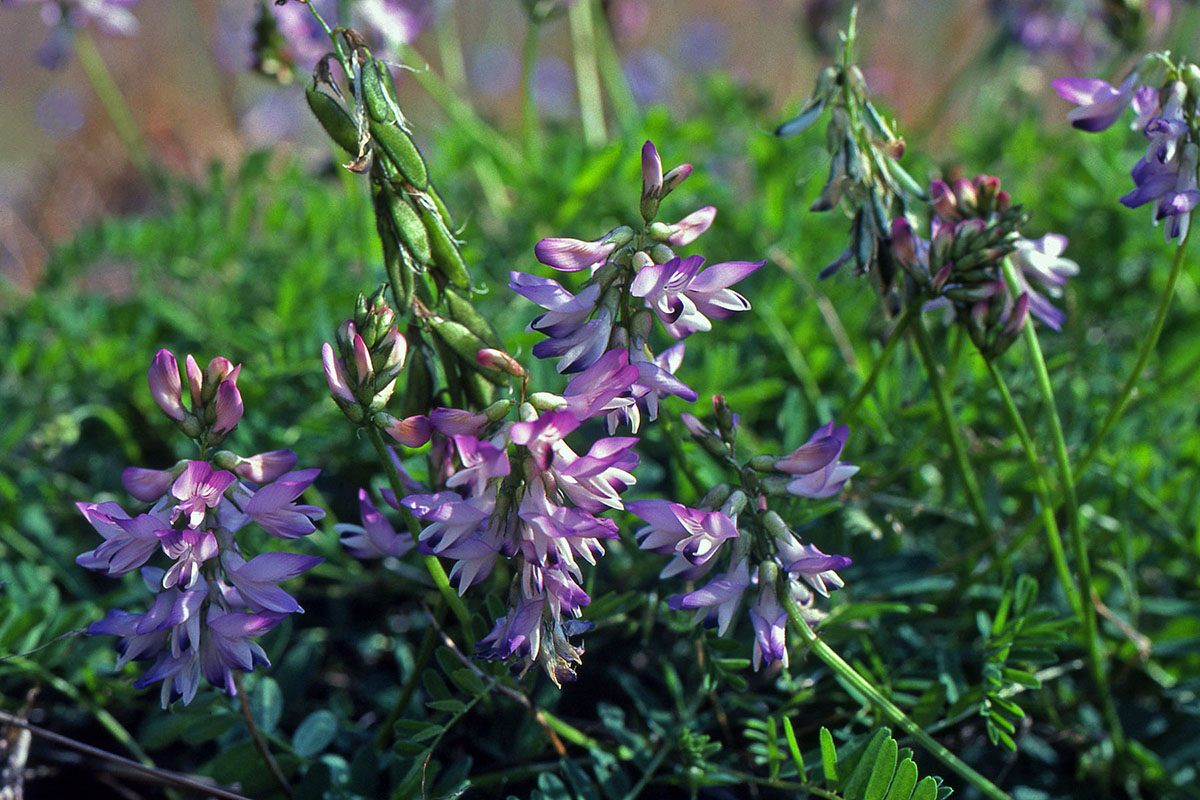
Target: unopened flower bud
642, 259
490, 358
498, 410
944, 203
148, 485
673, 178
263, 467
380, 399
526, 412
774, 525
228, 408
195, 378
165, 385
964, 194
641, 324
715, 496
364, 370
661, 253
763, 463
734, 504
652, 174
547, 401
726, 420
659, 231
335, 375
219, 370
411, 432
397, 353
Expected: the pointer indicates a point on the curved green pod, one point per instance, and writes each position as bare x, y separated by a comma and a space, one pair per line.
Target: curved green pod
334, 119
401, 151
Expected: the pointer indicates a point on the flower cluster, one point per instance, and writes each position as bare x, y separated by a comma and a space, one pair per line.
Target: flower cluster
517, 490
1164, 97
763, 552
210, 602
623, 264
362, 373
974, 227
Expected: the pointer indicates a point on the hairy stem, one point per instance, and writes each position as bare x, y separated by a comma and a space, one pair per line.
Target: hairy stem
1096, 659
436, 571
885, 706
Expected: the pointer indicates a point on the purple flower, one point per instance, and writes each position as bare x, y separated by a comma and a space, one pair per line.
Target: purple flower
807, 562
573, 255
481, 463
652, 171
451, 517
814, 465
335, 375
519, 632
688, 229
1041, 261
128, 543
770, 628
264, 467
147, 485
683, 297
572, 335
272, 507
190, 548
602, 387
257, 580
720, 596
198, 489
228, 646
228, 408
375, 537
1100, 104
691, 536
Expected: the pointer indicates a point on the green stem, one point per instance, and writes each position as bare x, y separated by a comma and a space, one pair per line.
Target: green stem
113, 102
885, 706
1156, 328
436, 571
1049, 524
260, 743
889, 349
616, 86
1095, 652
957, 446
576, 736
529, 112
587, 73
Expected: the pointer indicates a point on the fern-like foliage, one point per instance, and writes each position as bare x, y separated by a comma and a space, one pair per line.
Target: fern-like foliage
1019, 640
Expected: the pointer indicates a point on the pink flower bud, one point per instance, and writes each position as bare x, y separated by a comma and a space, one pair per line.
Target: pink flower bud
943, 201
688, 229
147, 485
490, 358
364, 370
265, 467
195, 382
652, 172
229, 407
221, 369
904, 243
411, 432
964, 193
399, 350
675, 177
165, 385
335, 375
572, 255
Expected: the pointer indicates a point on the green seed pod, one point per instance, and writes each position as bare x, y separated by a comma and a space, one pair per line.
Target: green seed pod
378, 91
466, 345
418, 388
401, 151
334, 119
409, 227
905, 181
462, 310
479, 390
446, 256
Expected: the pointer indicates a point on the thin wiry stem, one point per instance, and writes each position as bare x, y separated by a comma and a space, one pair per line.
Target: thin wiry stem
1096, 658
161, 776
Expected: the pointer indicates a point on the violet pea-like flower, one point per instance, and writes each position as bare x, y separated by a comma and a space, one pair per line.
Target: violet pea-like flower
128, 543
684, 298
573, 255
166, 387
720, 596
691, 535
1100, 104
815, 466
257, 580
376, 537
198, 489
272, 506
229, 646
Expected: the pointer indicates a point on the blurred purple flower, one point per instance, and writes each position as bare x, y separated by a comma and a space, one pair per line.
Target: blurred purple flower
814, 465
